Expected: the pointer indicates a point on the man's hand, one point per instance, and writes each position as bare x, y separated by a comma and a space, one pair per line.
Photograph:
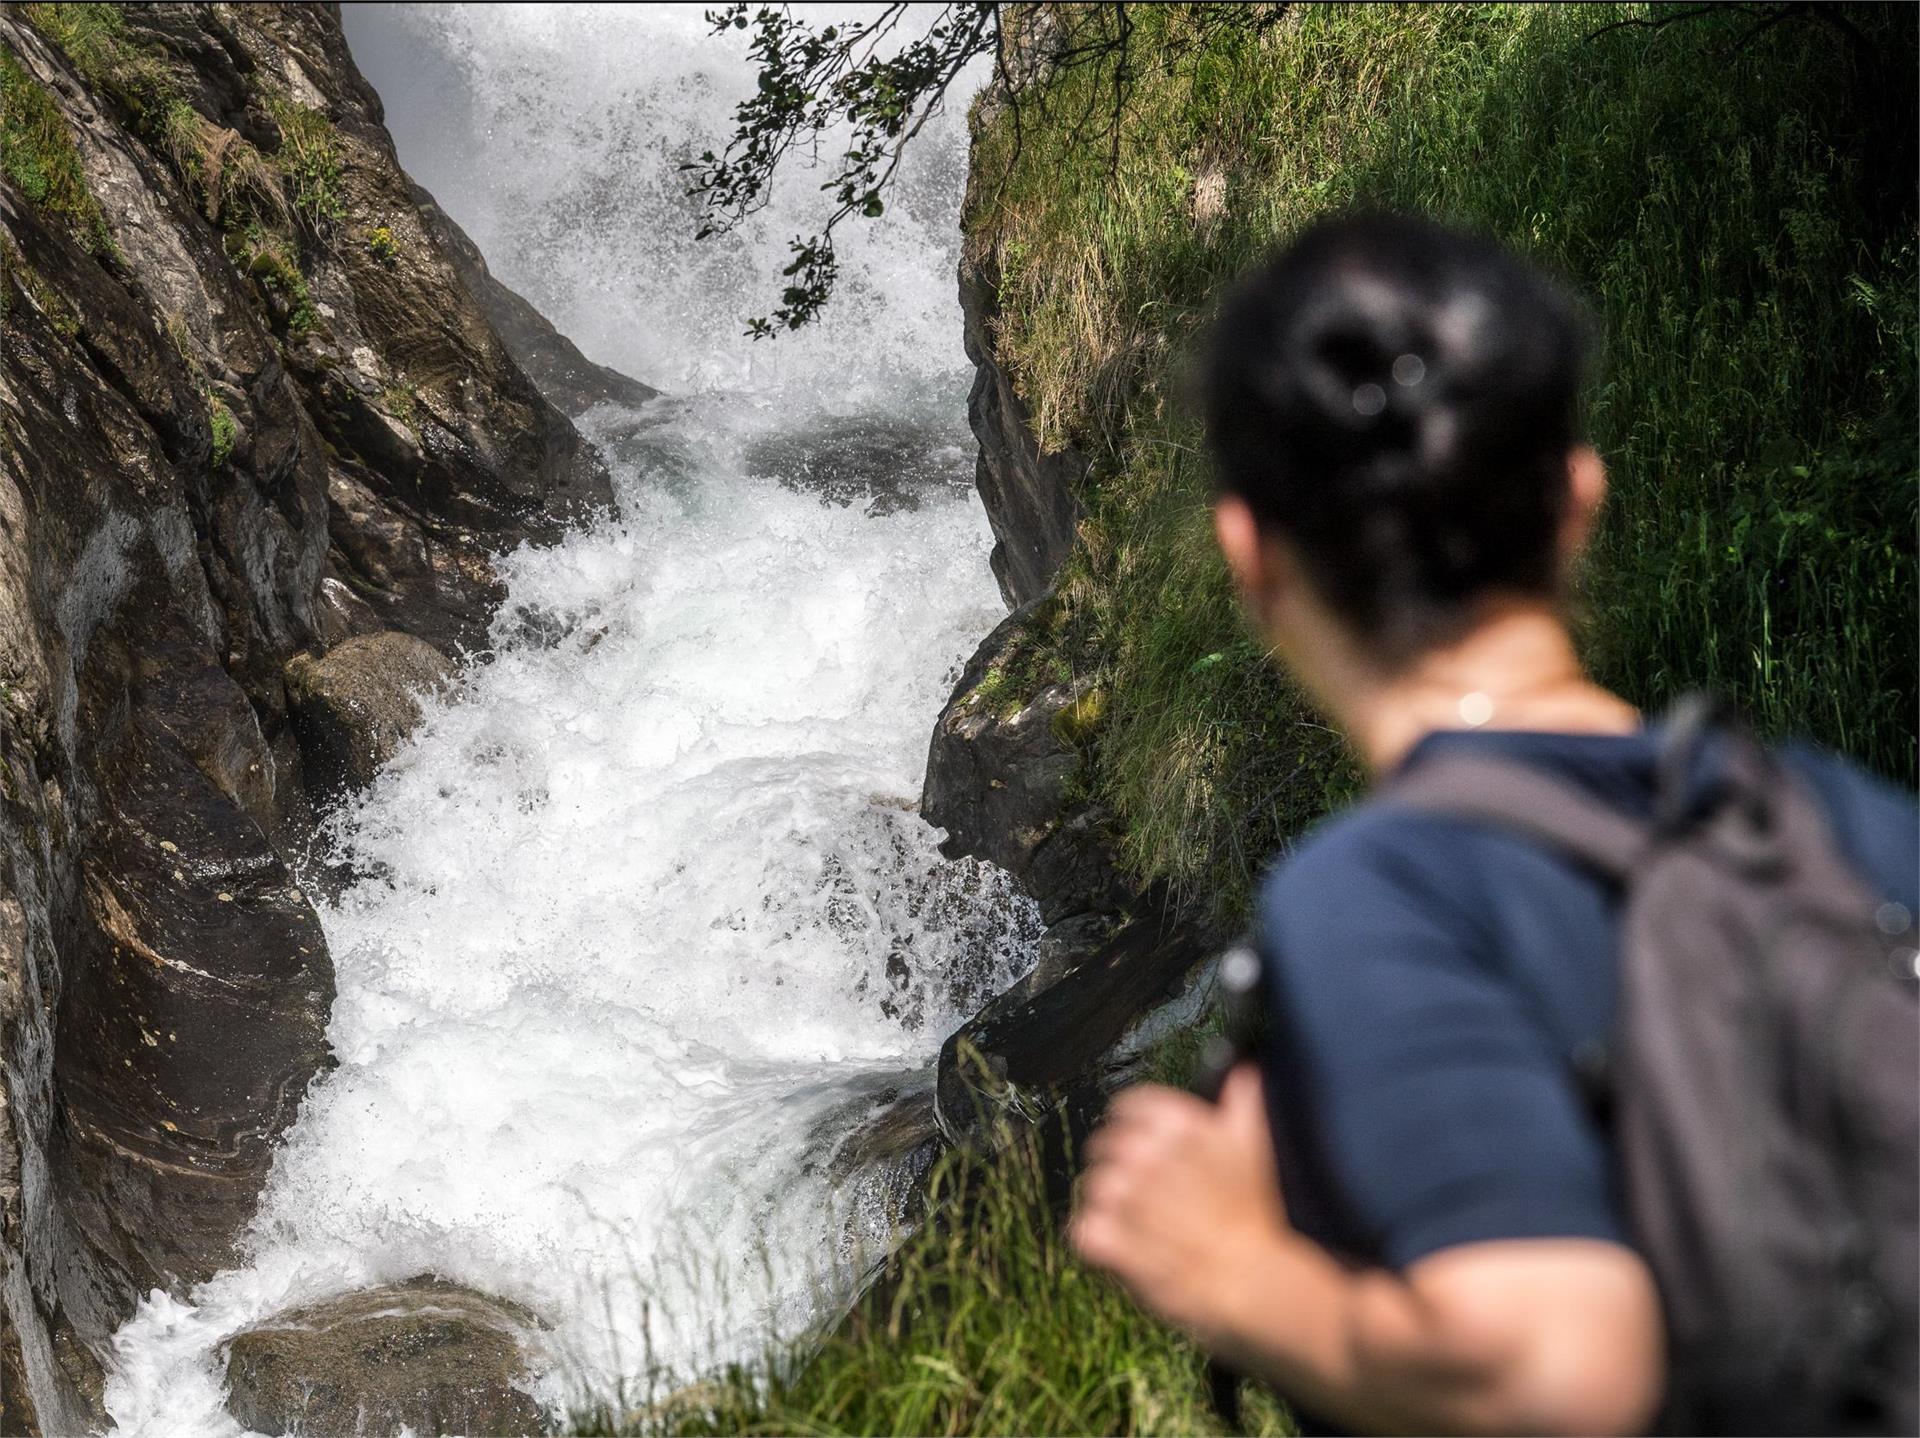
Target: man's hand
1177, 1193
1182, 1204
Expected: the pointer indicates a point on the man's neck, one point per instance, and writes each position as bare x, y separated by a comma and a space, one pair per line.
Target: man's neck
1517, 669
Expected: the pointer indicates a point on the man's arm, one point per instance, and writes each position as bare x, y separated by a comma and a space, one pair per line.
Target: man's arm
1537, 1335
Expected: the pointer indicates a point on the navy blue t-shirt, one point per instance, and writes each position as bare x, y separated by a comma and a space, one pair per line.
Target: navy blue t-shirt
1430, 978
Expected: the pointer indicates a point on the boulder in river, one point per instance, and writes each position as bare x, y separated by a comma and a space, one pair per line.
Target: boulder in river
354, 705
426, 1354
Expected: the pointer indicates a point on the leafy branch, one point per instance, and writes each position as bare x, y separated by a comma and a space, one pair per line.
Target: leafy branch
884, 83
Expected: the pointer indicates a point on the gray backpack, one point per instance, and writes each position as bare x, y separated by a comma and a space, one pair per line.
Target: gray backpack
1762, 1089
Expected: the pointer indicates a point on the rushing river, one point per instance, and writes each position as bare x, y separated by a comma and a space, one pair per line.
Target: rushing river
644, 917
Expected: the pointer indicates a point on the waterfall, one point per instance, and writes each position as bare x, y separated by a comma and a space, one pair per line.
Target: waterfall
642, 918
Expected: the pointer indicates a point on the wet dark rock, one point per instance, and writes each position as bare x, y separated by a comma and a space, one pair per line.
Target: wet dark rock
194, 488
1054, 1044
552, 361
998, 776
354, 705
997, 782
885, 1129
193, 1016
1000, 781
1029, 493
883, 1165
884, 464
425, 1354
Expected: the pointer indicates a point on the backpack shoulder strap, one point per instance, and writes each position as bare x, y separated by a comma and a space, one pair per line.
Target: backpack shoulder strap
1522, 798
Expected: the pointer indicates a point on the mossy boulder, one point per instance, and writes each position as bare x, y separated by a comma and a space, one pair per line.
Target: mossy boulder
1002, 780
999, 780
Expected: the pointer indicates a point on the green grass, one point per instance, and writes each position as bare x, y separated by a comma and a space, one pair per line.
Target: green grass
37, 156
220, 421
309, 156
1739, 213
982, 1323
95, 40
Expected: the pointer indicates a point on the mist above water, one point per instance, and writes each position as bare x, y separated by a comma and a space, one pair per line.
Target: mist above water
555, 135
644, 917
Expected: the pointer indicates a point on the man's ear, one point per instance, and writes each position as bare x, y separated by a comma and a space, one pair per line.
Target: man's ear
1586, 493
1239, 535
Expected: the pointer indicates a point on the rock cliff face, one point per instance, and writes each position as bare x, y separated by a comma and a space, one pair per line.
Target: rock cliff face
1028, 491
251, 412
551, 360
1000, 781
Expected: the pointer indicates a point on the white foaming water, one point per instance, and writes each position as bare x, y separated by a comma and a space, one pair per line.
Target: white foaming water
643, 921
555, 134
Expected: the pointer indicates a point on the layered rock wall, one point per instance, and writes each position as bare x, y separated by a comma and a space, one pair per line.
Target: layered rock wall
251, 411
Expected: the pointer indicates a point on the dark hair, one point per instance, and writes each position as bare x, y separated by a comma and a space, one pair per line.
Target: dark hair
1398, 399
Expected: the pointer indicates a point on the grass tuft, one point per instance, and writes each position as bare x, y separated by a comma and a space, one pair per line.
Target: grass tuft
309, 156
983, 1322
225, 431
234, 181
267, 257
37, 155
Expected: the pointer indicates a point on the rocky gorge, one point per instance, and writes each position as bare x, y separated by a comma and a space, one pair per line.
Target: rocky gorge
270, 426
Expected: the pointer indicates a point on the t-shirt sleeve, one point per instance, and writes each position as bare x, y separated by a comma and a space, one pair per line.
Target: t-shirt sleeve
1440, 1111
1876, 824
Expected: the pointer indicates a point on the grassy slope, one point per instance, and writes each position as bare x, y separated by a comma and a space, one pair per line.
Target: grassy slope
1720, 206
1754, 277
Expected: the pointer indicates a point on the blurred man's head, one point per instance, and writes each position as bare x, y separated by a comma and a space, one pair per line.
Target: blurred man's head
1392, 410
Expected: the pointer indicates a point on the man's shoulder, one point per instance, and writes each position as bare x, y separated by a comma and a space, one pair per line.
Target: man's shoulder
1876, 823
1377, 851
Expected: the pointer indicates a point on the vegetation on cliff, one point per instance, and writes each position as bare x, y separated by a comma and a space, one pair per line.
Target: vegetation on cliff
37, 156
1735, 203
269, 205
